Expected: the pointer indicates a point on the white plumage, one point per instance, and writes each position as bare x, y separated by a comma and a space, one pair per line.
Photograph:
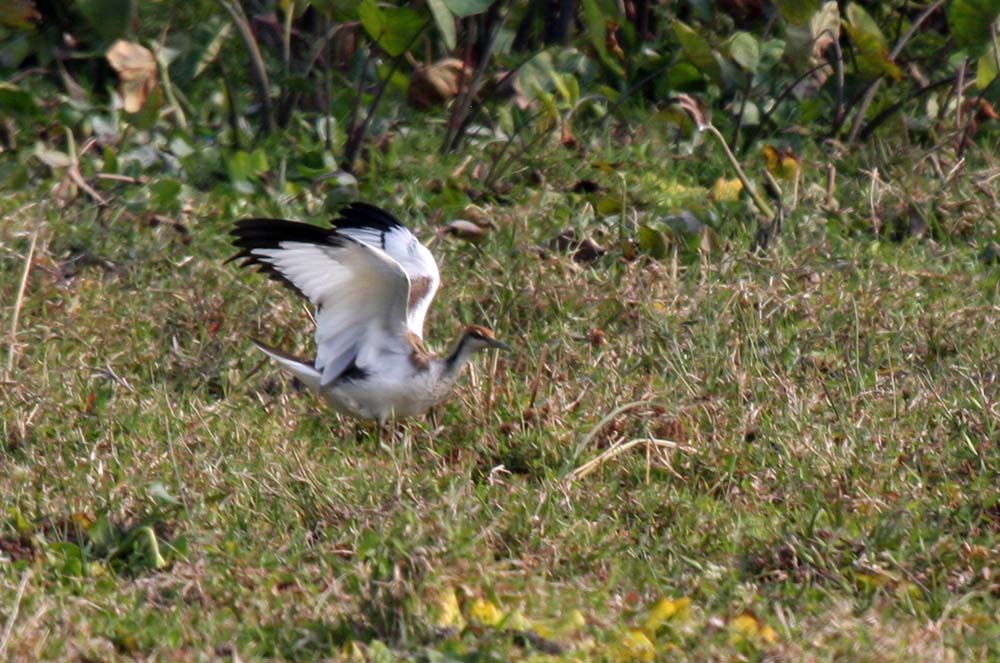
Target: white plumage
372, 283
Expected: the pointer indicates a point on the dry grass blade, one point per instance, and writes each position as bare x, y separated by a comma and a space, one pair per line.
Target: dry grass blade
611, 416
618, 449
13, 611
18, 303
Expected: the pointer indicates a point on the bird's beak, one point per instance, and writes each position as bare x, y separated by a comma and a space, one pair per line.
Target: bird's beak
500, 345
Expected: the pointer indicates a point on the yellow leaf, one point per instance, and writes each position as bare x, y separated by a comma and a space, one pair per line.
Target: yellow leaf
449, 614
745, 624
352, 651
567, 626
485, 613
516, 621
666, 610
874, 580
747, 627
726, 190
573, 620
634, 646
781, 162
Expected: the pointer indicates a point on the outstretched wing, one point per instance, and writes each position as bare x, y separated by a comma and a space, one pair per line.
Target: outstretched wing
359, 291
379, 229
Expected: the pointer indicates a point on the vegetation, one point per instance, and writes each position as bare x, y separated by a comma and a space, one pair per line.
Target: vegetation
747, 252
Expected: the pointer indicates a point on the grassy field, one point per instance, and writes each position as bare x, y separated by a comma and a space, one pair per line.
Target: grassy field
816, 476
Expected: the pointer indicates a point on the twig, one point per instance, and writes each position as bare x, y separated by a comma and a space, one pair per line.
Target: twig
73, 171
533, 390
831, 185
611, 416
488, 180
121, 178
231, 114
874, 86
8, 629
766, 117
488, 395
18, 303
768, 229
357, 135
168, 85
879, 119
462, 106
617, 450
257, 67
764, 208
838, 107
970, 125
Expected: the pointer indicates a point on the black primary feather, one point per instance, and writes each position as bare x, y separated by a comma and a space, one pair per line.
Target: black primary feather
363, 215
251, 234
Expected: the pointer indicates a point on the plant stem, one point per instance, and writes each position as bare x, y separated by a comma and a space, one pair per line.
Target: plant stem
758, 200
257, 68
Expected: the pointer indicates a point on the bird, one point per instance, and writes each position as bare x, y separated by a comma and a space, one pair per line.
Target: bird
371, 282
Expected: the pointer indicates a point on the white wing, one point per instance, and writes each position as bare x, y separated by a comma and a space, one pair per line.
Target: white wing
379, 229
359, 291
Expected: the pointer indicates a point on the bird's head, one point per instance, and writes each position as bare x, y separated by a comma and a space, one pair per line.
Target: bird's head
478, 337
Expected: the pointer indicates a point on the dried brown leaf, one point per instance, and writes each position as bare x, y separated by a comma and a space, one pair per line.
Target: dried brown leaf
137, 71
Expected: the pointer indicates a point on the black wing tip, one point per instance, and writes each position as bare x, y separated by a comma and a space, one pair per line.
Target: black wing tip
366, 215
252, 234
258, 233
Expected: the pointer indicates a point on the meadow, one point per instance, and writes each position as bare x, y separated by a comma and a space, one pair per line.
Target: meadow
698, 449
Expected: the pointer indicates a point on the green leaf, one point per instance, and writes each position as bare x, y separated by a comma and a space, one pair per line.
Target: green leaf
15, 101
51, 158
102, 536
596, 23
68, 556
393, 29
19, 14
158, 491
110, 18
242, 166
970, 21
562, 86
22, 525
467, 7
873, 51
652, 242
695, 47
986, 71
797, 12
806, 44
149, 114
164, 195
697, 50
745, 51
211, 52
444, 20
149, 549
751, 114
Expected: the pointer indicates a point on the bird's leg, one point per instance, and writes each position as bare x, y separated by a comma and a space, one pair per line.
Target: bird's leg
407, 442
387, 443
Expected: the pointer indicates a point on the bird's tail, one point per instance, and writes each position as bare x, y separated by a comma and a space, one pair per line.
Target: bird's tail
300, 368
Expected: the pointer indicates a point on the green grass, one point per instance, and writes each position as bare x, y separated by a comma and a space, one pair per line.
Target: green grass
834, 401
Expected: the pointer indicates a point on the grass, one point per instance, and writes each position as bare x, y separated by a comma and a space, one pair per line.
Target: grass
832, 495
